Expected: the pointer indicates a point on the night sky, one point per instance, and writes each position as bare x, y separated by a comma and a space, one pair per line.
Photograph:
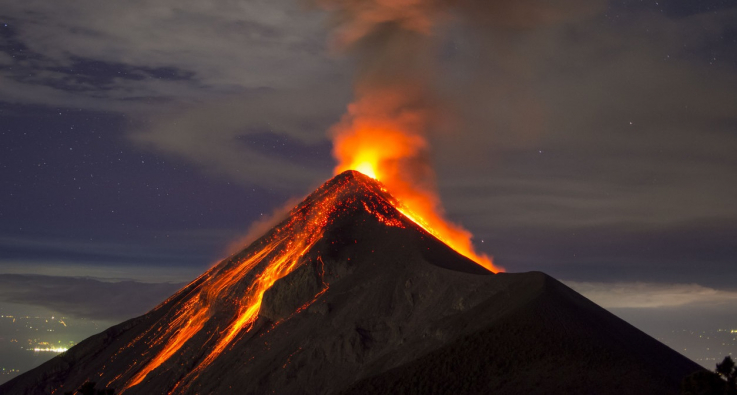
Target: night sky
596, 143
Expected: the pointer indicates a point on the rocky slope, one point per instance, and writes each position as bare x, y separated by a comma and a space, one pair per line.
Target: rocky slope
367, 302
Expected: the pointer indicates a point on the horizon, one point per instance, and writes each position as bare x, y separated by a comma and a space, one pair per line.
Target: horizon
594, 143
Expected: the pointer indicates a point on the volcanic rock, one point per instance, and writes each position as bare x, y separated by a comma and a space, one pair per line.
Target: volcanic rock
368, 303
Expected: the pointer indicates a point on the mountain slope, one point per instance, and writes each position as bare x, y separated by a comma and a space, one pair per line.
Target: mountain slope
556, 343
348, 295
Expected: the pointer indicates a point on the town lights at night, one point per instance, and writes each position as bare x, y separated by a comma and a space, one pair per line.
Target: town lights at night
50, 349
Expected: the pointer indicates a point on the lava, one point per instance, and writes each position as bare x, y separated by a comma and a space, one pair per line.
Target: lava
235, 287
382, 136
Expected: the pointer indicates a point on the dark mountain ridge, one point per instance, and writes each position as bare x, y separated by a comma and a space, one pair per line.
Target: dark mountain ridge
347, 295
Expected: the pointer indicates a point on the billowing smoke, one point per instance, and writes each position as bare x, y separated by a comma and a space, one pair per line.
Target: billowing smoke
395, 42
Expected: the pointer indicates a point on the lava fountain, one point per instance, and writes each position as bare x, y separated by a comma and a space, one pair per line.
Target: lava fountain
382, 137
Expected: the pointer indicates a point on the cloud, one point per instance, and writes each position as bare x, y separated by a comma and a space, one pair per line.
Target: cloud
527, 14
165, 251
640, 295
221, 46
615, 119
219, 135
105, 271
543, 94
193, 78
85, 297
181, 257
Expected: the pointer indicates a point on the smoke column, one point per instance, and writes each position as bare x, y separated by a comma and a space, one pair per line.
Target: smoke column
383, 133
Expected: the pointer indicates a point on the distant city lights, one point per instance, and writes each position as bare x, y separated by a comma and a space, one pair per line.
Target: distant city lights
50, 349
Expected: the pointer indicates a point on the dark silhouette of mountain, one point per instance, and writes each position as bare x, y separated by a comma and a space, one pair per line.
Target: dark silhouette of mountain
349, 296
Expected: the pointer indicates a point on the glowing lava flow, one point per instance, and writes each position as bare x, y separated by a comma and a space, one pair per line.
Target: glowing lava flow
191, 318
376, 141
233, 290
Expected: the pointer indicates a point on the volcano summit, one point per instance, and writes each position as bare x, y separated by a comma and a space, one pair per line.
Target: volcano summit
348, 295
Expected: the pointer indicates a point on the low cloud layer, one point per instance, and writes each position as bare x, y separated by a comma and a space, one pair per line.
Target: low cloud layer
118, 300
639, 295
85, 297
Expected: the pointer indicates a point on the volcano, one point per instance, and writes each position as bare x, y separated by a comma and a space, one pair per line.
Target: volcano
349, 296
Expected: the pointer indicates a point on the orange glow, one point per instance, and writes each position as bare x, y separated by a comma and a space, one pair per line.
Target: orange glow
232, 291
382, 137
366, 168
191, 318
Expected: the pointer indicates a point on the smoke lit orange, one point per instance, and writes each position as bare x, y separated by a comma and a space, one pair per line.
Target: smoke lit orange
382, 136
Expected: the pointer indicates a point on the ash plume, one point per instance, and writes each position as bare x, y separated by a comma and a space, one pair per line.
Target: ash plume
385, 130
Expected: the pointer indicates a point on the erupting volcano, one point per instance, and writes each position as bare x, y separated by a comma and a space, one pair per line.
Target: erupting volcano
349, 295
236, 287
382, 138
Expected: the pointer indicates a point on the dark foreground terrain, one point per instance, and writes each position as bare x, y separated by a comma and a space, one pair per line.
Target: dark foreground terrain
374, 306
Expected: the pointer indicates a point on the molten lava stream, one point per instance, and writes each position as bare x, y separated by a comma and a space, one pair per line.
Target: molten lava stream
420, 206
454, 236
275, 257
303, 230
250, 306
383, 137
192, 317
